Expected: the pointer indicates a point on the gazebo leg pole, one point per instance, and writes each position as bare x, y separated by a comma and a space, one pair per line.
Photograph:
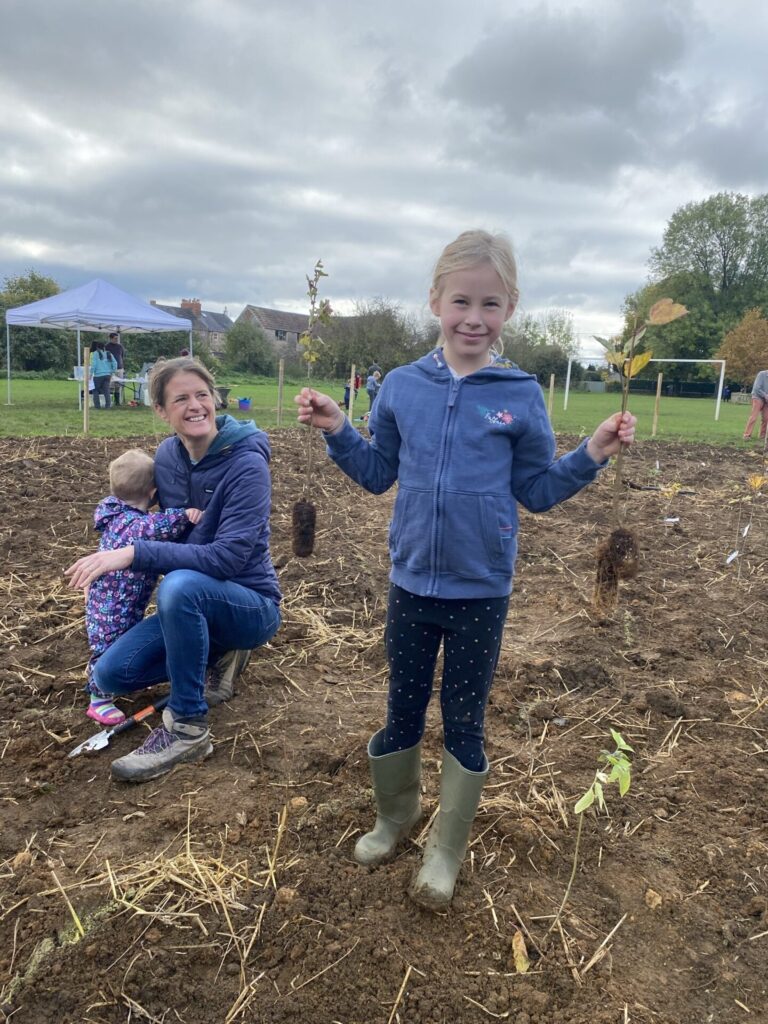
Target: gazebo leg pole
8, 359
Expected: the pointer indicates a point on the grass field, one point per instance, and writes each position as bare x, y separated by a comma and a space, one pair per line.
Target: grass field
50, 408
686, 419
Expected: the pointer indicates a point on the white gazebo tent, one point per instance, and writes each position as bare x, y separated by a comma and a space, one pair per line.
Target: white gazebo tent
96, 306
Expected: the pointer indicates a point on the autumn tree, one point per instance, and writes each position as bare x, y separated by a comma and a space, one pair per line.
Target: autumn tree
745, 348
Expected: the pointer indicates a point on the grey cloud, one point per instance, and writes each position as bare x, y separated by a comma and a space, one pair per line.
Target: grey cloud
219, 147
541, 62
732, 153
575, 94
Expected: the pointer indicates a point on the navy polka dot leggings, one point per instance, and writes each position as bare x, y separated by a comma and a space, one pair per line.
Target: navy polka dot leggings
471, 633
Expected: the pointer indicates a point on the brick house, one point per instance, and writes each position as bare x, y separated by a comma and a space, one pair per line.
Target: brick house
209, 329
281, 329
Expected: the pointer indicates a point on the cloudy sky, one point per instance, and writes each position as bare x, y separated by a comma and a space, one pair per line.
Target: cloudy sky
217, 148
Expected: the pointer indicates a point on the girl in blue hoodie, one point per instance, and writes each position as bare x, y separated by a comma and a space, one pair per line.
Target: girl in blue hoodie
467, 437
219, 597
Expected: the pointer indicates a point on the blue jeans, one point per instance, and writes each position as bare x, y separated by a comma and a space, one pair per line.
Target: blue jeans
198, 619
102, 388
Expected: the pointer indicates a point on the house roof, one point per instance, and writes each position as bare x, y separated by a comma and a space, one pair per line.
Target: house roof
276, 319
216, 322
211, 323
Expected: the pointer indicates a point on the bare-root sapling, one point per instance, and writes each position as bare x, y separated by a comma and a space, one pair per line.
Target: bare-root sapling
618, 557
304, 513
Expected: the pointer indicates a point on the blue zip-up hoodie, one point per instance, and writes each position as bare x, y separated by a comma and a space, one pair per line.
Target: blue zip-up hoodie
232, 485
465, 452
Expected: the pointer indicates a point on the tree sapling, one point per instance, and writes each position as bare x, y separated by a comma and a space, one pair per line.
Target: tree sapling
613, 766
618, 556
304, 515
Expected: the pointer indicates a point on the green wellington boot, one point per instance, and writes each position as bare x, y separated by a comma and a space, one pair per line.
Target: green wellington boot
396, 784
449, 836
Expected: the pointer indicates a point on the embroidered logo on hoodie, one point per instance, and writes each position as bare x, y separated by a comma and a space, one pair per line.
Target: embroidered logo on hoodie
501, 416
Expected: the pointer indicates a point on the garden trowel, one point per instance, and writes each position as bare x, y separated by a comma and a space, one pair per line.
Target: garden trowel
104, 738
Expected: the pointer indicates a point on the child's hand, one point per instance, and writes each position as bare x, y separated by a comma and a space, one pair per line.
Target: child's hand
612, 433
319, 410
194, 515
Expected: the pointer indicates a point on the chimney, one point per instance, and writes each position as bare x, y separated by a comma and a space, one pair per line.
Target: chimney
194, 305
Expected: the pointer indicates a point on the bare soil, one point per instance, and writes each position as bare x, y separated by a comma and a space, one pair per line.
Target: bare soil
226, 892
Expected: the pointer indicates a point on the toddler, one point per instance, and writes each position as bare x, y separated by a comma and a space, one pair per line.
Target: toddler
117, 600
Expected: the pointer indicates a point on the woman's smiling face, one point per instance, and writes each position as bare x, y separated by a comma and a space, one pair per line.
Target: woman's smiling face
189, 408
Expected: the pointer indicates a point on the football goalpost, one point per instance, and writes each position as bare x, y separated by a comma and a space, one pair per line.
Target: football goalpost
720, 383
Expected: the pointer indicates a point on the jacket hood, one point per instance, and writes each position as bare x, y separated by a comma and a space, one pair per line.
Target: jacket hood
107, 510
232, 432
434, 365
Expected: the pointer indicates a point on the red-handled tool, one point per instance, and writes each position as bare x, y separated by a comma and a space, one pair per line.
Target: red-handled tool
103, 739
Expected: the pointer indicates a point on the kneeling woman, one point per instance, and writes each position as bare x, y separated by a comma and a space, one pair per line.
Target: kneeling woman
220, 597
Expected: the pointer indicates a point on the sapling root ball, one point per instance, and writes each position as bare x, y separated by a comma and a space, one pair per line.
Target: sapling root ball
304, 517
617, 559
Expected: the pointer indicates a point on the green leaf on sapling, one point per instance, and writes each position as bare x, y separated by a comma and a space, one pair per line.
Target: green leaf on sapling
619, 740
586, 801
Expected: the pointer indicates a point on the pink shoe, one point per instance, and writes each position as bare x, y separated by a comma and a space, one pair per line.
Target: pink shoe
105, 713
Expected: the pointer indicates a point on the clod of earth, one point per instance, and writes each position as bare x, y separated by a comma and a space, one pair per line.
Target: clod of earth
304, 518
617, 559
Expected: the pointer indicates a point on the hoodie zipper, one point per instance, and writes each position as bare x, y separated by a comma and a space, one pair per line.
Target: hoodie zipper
438, 502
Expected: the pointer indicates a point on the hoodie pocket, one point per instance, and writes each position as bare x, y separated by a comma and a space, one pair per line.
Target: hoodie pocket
410, 532
500, 525
477, 539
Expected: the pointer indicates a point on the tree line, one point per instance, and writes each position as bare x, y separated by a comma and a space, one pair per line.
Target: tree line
379, 331
713, 259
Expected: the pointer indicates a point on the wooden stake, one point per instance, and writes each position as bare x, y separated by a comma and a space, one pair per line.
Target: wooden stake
280, 384
551, 401
86, 381
656, 406
351, 410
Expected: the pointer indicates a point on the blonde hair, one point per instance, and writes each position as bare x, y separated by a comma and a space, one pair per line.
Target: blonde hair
132, 476
472, 248
162, 372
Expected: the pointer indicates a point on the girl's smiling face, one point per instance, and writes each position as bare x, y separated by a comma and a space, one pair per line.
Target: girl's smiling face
190, 410
473, 307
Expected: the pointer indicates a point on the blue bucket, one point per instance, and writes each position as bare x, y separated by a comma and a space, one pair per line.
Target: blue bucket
244, 403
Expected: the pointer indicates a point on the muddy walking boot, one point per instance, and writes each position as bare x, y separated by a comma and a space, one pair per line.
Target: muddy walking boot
448, 838
396, 781
221, 675
176, 741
